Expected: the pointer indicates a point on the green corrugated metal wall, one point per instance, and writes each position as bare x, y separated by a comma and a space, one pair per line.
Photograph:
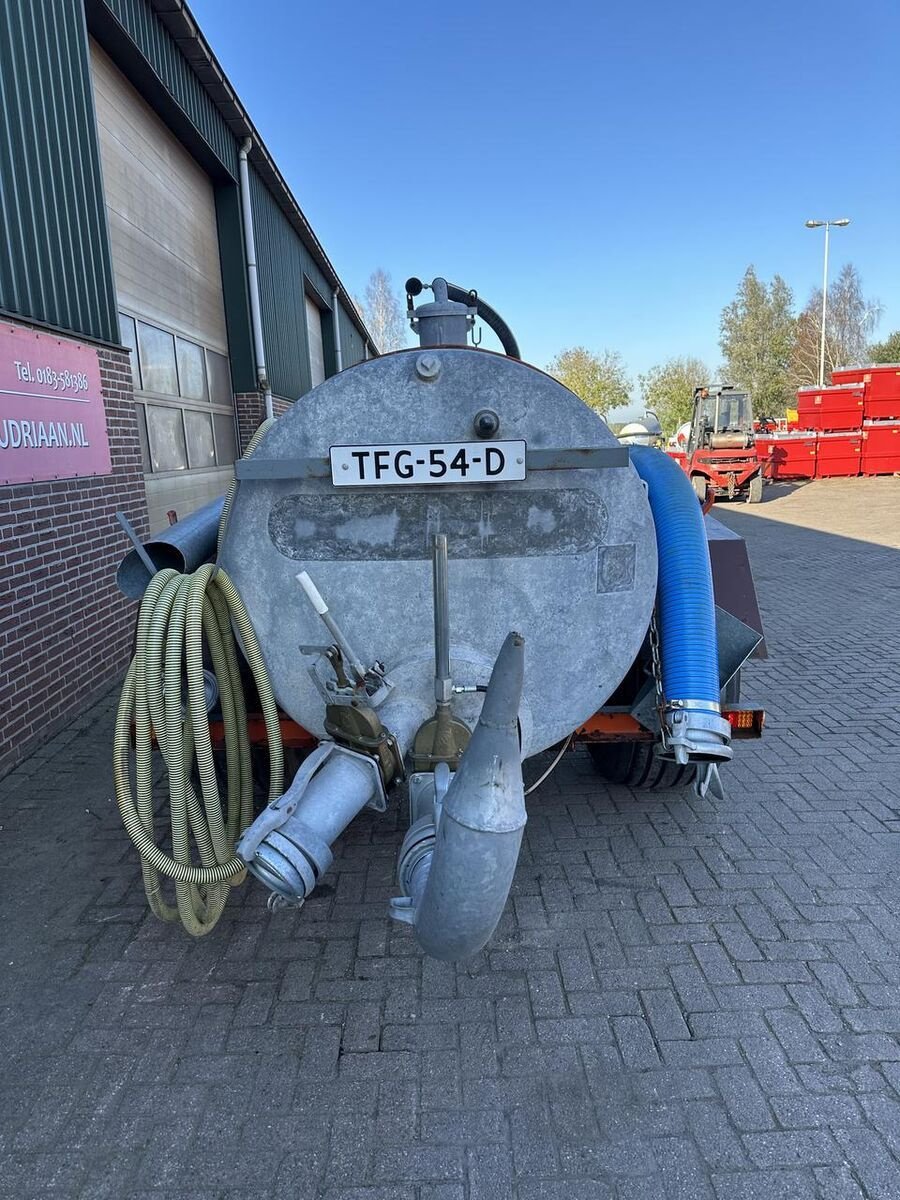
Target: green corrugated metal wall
353, 349
281, 294
161, 50
282, 258
234, 287
54, 257
283, 263
56, 267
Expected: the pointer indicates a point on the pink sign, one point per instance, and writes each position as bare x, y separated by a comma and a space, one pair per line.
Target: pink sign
52, 418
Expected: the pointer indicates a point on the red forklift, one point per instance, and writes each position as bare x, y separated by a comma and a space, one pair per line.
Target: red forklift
721, 456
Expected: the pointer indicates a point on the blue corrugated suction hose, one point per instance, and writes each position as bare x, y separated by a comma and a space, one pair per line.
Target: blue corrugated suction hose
687, 612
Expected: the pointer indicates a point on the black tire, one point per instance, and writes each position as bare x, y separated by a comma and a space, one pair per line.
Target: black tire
635, 765
700, 485
755, 490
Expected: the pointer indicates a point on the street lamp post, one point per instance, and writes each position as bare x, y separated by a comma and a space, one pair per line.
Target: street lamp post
827, 225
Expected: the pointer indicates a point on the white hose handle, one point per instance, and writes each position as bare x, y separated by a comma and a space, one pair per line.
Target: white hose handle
314, 596
312, 593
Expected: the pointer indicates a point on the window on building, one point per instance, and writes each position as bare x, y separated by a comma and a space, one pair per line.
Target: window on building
219, 378
191, 370
184, 399
316, 342
166, 435
156, 348
128, 334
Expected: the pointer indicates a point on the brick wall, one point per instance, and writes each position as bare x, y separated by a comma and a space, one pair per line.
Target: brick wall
65, 630
251, 412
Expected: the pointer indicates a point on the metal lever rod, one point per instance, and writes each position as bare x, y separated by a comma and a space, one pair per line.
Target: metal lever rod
443, 684
137, 543
315, 598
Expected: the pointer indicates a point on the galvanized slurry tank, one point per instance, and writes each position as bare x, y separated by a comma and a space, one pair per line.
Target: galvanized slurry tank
566, 556
479, 556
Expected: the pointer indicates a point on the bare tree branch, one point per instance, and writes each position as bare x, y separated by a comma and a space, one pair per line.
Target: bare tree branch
383, 312
850, 320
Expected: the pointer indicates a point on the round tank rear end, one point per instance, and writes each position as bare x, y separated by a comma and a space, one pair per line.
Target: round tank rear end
565, 555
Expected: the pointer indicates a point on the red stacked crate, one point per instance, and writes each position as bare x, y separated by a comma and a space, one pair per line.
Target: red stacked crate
881, 448
831, 408
848, 374
882, 389
790, 457
838, 454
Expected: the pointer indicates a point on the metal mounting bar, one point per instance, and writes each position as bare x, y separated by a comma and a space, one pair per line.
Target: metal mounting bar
137, 543
443, 684
594, 458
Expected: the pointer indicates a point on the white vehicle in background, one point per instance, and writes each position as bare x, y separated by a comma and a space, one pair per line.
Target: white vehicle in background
645, 432
679, 439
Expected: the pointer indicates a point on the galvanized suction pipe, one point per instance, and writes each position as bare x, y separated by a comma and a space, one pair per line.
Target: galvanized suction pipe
253, 277
479, 828
288, 847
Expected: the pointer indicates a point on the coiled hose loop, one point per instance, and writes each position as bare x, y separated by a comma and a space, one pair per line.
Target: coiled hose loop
180, 615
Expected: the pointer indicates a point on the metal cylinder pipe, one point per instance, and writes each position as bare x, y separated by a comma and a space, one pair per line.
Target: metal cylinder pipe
479, 827
292, 858
288, 846
184, 546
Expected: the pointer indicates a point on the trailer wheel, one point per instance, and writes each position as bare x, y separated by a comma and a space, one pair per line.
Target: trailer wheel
754, 492
636, 766
699, 484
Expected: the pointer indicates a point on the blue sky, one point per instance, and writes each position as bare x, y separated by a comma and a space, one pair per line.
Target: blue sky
602, 173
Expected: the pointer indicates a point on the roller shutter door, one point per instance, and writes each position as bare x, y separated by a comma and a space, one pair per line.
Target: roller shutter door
162, 214
162, 222
316, 342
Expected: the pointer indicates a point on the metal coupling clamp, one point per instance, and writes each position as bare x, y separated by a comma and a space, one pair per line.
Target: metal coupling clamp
696, 731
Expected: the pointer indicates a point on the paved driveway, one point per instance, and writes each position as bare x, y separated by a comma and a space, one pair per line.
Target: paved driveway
685, 999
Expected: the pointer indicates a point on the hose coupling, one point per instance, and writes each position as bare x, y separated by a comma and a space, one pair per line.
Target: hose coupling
695, 731
288, 846
426, 798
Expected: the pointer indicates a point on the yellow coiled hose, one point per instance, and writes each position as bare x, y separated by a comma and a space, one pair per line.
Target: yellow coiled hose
177, 613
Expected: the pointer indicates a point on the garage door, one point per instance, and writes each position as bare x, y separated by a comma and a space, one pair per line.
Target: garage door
165, 250
316, 342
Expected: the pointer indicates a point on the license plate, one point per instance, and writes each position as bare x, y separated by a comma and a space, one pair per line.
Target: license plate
426, 462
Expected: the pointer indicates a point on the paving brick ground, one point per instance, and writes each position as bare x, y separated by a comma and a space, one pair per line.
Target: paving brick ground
690, 1000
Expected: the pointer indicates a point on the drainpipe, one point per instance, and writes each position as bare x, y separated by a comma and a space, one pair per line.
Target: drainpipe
336, 323
253, 279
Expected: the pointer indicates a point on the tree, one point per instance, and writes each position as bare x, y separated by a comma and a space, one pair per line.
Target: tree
383, 312
849, 322
756, 335
887, 351
668, 390
599, 379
